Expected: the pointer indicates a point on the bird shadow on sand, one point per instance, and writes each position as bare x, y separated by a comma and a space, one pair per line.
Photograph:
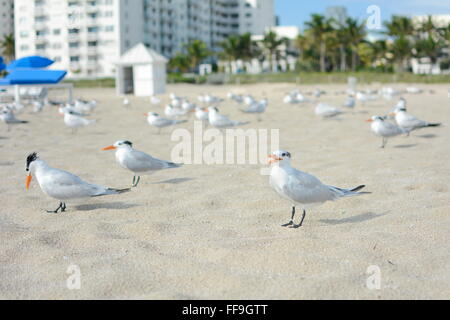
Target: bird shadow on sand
108, 205
405, 146
174, 181
355, 219
427, 136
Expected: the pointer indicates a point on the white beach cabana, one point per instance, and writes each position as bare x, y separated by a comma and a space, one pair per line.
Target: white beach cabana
141, 71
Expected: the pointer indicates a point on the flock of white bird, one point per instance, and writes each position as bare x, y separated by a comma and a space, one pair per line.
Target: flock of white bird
301, 188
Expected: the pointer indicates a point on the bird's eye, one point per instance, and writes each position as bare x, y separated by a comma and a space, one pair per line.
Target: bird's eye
283, 155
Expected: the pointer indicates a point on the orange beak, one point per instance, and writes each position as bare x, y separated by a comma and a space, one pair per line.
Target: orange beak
392, 114
146, 114
109, 148
273, 159
369, 120
28, 181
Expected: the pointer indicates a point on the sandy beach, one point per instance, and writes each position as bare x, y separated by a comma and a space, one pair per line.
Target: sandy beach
213, 231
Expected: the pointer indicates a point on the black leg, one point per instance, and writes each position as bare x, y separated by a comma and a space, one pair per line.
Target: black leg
301, 222
296, 226
292, 219
63, 208
57, 209
136, 181
384, 143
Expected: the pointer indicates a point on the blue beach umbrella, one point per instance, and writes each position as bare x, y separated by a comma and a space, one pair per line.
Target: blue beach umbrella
30, 62
2, 65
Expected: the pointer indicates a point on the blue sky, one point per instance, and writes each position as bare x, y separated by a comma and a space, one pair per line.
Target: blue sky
295, 12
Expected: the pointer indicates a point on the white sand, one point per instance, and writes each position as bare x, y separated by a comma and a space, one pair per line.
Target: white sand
215, 232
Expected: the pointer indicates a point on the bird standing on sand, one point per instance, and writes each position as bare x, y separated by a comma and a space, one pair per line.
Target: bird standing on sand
220, 121
350, 103
8, 117
302, 188
408, 122
138, 162
173, 112
159, 122
384, 129
257, 108
202, 115
62, 185
326, 111
74, 121
235, 97
155, 100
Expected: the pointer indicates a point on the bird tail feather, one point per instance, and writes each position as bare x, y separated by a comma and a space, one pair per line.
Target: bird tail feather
350, 193
112, 191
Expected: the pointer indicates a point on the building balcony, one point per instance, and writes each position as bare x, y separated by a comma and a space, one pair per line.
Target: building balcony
40, 11
41, 52
92, 22
40, 40
92, 37
93, 65
73, 37
92, 9
40, 26
92, 50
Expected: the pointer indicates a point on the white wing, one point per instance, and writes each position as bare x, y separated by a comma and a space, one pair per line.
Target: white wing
64, 185
307, 189
409, 121
138, 161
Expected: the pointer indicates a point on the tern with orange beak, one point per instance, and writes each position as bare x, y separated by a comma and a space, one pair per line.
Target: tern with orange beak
159, 122
138, 162
302, 188
62, 185
408, 122
384, 129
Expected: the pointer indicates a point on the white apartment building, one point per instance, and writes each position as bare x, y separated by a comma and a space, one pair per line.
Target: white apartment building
6, 19
424, 65
86, 37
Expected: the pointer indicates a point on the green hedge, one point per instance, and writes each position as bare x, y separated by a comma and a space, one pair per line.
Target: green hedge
338, 77
289, 77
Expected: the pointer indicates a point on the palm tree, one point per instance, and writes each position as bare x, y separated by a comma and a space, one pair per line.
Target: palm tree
248, 48
380, 51
305, 46
231, 49
319, 28
342, 37
402, 51
429, 48
180, 63
356, 32
400, 26
8, 46
271, 44
336, 50
445, 34
197, 51
428, 26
